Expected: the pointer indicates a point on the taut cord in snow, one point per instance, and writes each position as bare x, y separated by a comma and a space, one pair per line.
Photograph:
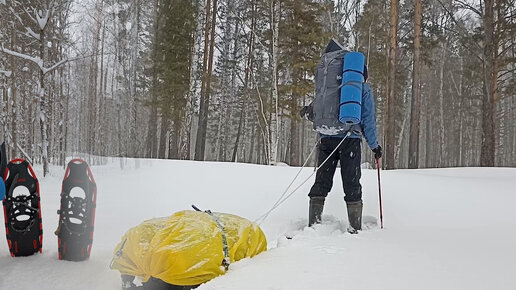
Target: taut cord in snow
298, 172
281, 200
262, 217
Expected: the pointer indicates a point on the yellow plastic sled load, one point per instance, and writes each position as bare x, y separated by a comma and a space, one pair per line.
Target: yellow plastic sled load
188, 248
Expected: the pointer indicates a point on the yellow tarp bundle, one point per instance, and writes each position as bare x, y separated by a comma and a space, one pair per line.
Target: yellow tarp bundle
186, 248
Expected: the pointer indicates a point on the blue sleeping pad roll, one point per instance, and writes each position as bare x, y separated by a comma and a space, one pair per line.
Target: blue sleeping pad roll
2, 189
351, 91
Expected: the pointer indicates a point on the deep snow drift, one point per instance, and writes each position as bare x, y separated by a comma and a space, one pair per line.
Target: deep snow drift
444, 228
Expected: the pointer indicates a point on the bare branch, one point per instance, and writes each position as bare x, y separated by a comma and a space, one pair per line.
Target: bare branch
501, 75
7, 73
42, 20
16, 15
31, 33
469, 7
30, 15
452, 17
63, 61
37, 61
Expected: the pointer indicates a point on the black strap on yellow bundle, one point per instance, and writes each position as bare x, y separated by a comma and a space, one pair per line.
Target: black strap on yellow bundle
226, 261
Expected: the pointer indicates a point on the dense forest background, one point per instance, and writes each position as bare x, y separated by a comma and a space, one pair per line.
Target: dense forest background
224, 80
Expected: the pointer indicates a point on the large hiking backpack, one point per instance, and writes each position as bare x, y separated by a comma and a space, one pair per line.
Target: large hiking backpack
339, 79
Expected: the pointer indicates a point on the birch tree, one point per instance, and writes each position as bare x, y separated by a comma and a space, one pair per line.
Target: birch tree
38, 17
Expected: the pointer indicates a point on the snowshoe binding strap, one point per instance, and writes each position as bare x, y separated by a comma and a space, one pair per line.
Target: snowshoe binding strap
74, 217
21, 207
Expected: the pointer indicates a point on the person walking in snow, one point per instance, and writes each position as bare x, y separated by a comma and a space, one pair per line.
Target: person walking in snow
349, 155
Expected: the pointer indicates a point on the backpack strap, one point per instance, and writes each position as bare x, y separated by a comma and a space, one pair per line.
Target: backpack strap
3, 160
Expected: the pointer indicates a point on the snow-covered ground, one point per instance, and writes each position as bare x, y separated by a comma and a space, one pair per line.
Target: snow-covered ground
444, 228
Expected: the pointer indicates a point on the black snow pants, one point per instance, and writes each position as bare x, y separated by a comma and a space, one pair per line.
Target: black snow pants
349, 155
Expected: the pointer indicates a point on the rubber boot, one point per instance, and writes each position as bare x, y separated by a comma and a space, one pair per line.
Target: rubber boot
354, 216
315, 211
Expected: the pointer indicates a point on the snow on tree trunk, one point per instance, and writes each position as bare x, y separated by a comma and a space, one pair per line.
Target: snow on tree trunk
42, 18
43, 101
274, 133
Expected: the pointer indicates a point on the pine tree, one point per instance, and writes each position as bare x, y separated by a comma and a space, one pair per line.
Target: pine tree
301, 42
390, 133
172, 68
416, 89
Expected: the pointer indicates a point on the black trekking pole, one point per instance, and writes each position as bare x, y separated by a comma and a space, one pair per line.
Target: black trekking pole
379, 191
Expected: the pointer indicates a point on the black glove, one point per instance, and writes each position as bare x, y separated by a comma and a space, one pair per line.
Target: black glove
377, 152
307, 111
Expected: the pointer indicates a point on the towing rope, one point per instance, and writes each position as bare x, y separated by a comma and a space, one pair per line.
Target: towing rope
283, 198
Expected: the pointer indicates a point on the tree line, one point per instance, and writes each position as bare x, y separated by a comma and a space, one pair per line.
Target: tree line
224, 80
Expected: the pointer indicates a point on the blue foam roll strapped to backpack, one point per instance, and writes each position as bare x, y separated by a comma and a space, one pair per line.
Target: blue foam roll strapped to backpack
2, 189
3, 166
351, 91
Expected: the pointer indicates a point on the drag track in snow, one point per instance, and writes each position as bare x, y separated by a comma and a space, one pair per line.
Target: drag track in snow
444, 228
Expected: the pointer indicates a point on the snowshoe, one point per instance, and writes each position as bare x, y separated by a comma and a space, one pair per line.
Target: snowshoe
22, 212
77, 212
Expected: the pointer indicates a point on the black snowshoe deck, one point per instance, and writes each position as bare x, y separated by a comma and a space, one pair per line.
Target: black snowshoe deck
22, 212
77, 213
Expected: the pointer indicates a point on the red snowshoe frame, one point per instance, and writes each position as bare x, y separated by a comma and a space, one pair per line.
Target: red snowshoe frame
77, 214
24, 236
